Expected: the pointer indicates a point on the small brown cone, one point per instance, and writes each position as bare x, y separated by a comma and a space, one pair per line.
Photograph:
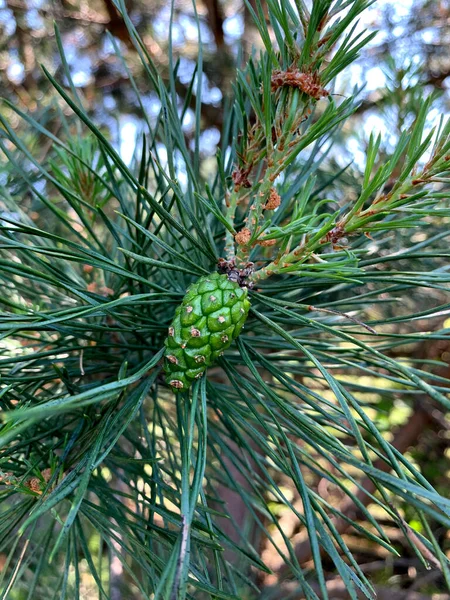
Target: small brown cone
243, 236
46, 475
273, 201
35, 485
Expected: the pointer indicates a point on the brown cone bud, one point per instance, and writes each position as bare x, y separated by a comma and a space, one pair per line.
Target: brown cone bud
34, 484
46, 475
243, 236
273, 201
308, 83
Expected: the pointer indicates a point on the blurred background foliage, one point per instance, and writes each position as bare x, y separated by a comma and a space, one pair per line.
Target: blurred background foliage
407, 59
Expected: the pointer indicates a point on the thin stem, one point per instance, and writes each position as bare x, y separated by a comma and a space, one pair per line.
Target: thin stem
230, 216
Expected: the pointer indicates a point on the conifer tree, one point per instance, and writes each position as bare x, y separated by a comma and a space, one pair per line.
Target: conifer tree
131, 404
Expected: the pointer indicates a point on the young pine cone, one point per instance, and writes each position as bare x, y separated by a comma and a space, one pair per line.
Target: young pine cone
209, 318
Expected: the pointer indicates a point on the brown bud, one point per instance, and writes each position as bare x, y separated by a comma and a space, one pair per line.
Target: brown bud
308, 83
37, 485
88, 268
34, 484
240, 178
243, 236
195, 332
46, 475
273, 201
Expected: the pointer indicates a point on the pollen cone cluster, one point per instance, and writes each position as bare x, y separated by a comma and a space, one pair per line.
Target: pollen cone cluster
210, 317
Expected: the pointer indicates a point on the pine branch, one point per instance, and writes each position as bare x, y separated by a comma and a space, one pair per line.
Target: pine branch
97, 255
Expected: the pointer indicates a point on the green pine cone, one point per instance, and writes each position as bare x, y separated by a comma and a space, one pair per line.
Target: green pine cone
210, 317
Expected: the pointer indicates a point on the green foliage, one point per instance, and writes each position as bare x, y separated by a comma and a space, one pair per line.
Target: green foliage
131, 475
